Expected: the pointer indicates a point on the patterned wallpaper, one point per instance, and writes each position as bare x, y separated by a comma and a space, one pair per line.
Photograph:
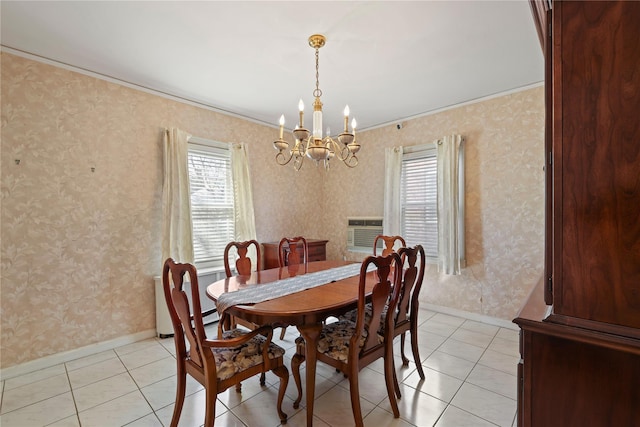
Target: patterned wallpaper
80, 213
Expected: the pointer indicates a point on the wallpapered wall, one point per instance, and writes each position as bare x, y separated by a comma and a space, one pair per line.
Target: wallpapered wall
80, 247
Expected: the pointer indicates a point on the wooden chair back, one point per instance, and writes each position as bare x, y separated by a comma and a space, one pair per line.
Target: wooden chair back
288, 251
243, 262
186, 317
389, 244
243, 268
411, 284
384, 298
406, 315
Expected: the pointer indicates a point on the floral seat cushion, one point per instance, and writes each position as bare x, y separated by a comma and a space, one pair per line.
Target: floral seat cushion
334, 340
231, 360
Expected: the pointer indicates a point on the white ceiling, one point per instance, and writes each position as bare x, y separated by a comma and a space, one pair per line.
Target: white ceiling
389, 60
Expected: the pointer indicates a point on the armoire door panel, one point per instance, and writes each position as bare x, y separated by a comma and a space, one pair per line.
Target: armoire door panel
598, 218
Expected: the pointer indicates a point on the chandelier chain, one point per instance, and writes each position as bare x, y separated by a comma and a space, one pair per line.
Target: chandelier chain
317, 93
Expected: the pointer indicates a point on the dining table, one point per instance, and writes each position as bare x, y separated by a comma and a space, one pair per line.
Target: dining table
304, 308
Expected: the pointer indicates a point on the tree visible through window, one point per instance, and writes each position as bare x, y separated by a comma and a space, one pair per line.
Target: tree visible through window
211, 203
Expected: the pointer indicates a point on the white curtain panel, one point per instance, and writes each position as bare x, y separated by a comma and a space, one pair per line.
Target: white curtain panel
177, 229
245, 221
449, 218
392, 223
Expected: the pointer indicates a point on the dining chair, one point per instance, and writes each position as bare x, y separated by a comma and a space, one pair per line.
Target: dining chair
218, 363
349, 346
243, 262
243, 268
288, 255
389, 243
406, 314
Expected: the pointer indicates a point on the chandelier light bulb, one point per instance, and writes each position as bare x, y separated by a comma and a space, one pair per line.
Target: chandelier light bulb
301, 109
346, 118
281, 126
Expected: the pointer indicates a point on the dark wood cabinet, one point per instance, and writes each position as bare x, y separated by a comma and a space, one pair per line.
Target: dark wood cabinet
317, 252
580, 329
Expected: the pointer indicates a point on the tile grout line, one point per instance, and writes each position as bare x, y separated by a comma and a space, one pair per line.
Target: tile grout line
73, 396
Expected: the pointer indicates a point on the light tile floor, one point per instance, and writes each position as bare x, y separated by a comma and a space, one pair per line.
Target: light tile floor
470, 370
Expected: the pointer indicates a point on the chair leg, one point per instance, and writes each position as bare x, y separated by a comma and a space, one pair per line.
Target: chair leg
283, 373
354, 391
405, 361
296, 360
210, 405
414, 349
180, 392
391, 379
395, 384
282, 332
263, 380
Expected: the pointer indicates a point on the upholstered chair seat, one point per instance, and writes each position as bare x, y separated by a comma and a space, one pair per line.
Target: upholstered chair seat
334, 339
231, 360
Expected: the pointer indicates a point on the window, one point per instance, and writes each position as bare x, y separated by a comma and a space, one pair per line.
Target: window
212, 209
419, 199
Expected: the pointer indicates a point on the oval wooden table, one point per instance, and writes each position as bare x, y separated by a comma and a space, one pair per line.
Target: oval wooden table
304, 309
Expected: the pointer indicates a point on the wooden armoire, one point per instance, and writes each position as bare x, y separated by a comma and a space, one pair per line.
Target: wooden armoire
580, 328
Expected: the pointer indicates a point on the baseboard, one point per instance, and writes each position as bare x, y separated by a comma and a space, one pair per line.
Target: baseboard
471, 316
66, 356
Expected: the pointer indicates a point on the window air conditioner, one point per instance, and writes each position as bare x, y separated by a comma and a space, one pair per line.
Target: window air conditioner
361, 233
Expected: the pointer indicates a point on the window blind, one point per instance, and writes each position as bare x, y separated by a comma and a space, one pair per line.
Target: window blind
212, 210
419, 200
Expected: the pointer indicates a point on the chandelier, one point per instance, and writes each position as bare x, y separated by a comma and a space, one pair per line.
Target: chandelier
312, 144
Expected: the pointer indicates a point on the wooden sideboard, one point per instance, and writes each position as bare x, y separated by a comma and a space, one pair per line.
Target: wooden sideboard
580, 328
317, 252
570, 376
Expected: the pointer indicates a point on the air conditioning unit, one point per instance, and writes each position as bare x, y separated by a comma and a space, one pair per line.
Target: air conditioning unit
361, 233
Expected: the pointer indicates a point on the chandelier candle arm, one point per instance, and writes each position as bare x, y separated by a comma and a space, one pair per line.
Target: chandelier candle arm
281, 126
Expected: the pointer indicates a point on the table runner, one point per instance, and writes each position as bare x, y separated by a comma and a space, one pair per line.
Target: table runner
284, 287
